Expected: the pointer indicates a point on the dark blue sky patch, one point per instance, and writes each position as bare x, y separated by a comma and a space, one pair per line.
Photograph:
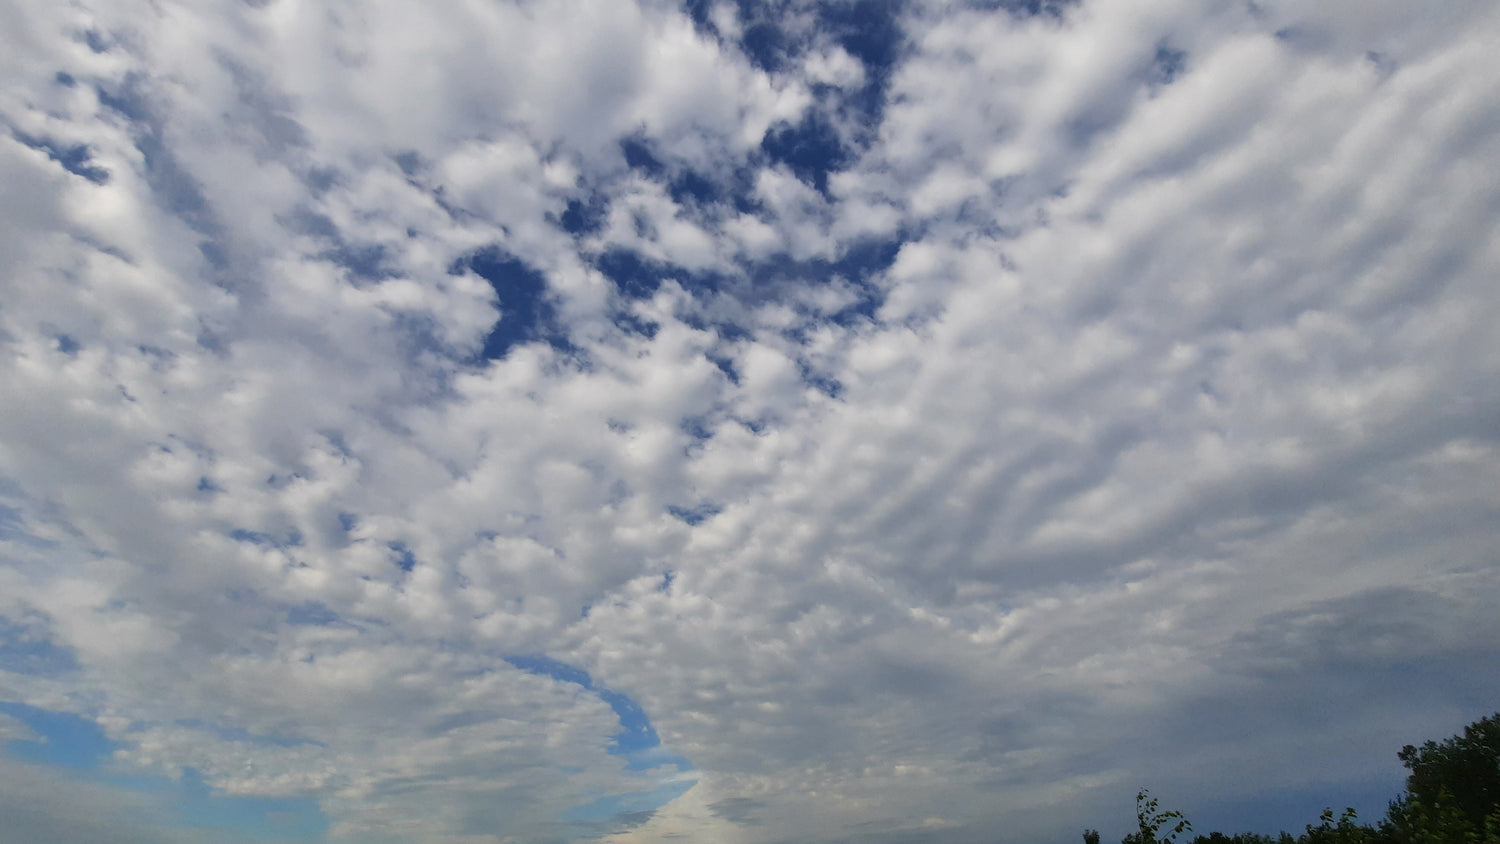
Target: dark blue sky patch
126, 102
293, 538
666, 581
697, 427
402, 556
695, 515
639, 156
703, 282
865, 258
172, 184
74, 158
870, 31
811, 149
252, 537
1384, 63
1167, 65
96, 41
65, 79
632, 324
698, 12
364, 261
348, 521
741, 191
409, 161
690, 188
320, 179
633, 274
825, 384
726, 366
776, 277
67, 345
526, 314
583, 217
215, 254
1056, 9
766, 46
1088, 125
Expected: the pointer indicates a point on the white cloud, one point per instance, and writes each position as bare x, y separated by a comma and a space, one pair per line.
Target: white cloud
1176, 400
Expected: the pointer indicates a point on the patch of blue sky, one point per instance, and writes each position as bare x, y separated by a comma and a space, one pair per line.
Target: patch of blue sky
74, 158
637, 741
698, 427
696, 514
1292, 808
78, 746
586, 216
291, 540
856, 266
633, 275
638, 155
632, 324
62, 739
24, 651
766, 45
811, 148
692, 189
1028, 8
294, 819
402, 556
169, 180
526, 313
1168, 64
67, 345
870, 31
12, 526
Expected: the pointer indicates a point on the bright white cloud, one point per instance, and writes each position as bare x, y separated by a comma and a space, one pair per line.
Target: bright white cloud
1055, 405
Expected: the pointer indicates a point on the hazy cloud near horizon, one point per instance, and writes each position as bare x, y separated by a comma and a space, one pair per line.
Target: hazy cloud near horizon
741, 422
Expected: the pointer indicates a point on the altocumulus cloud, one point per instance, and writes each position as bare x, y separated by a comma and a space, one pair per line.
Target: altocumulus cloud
742, 422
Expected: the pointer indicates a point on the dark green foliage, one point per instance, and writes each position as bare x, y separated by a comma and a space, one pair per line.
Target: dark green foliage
1453, 790
1152, 819
1342, 831
1452, 797
1244, 838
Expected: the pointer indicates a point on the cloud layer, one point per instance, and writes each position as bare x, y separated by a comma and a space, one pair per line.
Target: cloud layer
919, 422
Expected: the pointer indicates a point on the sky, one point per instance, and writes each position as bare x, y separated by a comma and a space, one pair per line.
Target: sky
815, 421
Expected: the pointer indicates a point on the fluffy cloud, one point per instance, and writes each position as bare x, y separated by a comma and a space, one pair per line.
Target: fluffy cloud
928, 420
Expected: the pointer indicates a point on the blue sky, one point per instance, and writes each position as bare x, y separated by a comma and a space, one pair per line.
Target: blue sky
752, 422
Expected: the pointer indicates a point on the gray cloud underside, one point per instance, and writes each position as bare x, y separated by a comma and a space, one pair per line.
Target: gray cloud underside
1167, 453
